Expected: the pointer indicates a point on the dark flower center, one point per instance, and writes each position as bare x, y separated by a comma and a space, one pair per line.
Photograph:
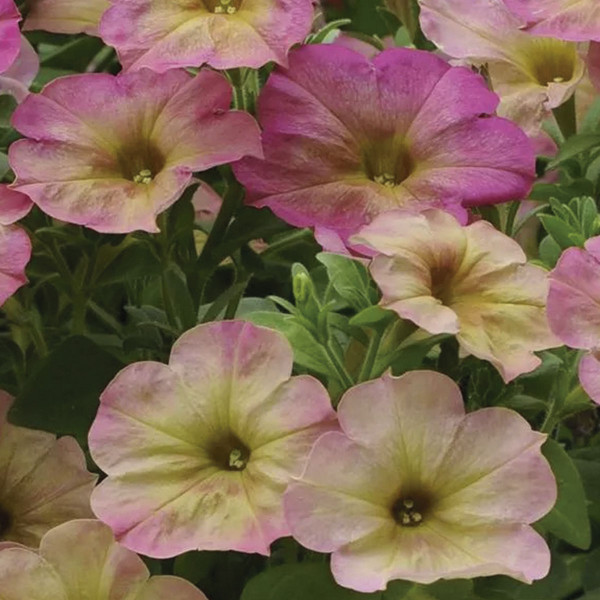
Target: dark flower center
441, 283
551, 60
412, 509
230, 453
141, 162
387, 162
224, 7
5, 522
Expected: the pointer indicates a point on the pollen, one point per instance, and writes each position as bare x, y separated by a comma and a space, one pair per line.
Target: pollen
144, 176
405, 513
386, 179
236, 460
225, 7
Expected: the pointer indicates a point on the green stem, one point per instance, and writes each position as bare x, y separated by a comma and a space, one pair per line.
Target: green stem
566, 117
557, 401
510, 218
294, 237
371, 355
344, 377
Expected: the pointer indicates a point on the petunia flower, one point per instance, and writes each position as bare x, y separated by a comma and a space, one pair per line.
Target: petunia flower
473, 282
65, 16
81, 560
574, 309
199, 452
347, 137
13, 205
575, 20
531, 74
18, 77
44, 481
15, 252
9, 33
225, 34
112, 152
412, 488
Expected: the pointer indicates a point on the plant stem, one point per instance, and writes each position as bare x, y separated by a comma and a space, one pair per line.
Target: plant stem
369, 361
344, 377
566, 117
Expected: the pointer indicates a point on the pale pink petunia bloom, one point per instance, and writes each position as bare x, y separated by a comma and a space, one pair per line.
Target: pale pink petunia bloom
18, 77
531, 74
473, 282
199, 452
224, 34
80, 560
44, 481
65, 16
347, 137
15, 252
575, 20
112, 152
9, 33
574, 309
412, 488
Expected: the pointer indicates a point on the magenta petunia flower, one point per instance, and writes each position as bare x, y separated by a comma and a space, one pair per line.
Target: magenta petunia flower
15, 252
531, 74
80, 560
112, 152
347, 137
222, 33
198, 453
576, 20
44, 481
471, 281
9, 33
574, 309
65, 16
412, 488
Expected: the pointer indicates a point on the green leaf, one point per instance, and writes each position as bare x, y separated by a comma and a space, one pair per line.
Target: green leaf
374, 317
133, 262
550, 251
591, 573
62, 395
575, 146
350, 279
569, 519
307, 351
559, 230
308, 581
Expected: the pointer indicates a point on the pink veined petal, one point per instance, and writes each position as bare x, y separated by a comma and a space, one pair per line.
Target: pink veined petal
65, 16
575, 20
573, 311
24, 574
9, 33
589, 375
15, 252
162, 35
18, 77
13, 205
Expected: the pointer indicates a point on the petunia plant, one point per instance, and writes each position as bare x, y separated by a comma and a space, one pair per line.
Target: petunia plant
299, 299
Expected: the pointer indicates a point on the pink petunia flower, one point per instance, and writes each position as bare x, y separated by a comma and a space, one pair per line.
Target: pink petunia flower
9, 33
15, 252
471, 281
531, 74
13, 205
112, 152
222, 33
574, 309
44, 481
347, 137
575, 20
18, 77
199, 452
81, 560
412, 488
65, 16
